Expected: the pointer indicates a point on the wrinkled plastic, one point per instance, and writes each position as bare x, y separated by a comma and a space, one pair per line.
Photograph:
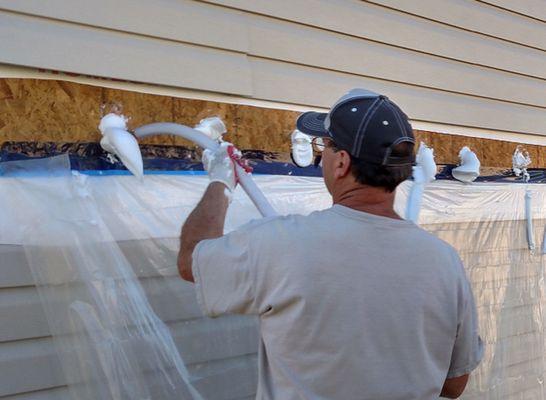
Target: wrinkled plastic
103, 253
112, 343
487, 224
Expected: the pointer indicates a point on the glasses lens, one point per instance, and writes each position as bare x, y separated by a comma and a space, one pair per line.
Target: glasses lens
318, 144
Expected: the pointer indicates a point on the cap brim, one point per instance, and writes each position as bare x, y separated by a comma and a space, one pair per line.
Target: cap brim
312, 123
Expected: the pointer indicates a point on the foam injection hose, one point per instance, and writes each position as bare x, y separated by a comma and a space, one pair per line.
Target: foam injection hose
205, 142
529, 218
415, 197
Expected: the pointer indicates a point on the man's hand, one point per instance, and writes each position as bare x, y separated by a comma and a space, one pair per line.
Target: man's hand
220, 166
206, 221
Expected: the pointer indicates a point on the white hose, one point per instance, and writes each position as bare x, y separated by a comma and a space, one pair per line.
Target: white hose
529, 218
205, 142
415, 197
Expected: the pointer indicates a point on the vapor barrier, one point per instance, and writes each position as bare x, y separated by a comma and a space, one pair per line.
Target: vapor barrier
102, 251
487, 224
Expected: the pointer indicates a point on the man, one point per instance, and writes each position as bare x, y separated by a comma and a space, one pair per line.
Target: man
354, 302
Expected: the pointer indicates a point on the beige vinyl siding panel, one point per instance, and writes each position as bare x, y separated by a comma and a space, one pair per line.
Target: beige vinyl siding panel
280, 40
29, 362
478, 17
306, 85
38, 42
532, 8
245, 48
183, 20
399, 29
29, 365
21, 314
15, 270
22, 310
286, 41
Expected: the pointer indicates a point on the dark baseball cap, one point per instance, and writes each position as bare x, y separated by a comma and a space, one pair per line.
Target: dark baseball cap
365, 124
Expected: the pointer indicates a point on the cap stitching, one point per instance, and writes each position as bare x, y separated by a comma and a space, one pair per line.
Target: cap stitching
402, 139
397, 118
356, 97
364, 124
403, 128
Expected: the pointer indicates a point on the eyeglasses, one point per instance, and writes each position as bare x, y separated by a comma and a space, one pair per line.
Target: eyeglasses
319, 144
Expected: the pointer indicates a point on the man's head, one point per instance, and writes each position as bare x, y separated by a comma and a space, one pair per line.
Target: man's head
367, 141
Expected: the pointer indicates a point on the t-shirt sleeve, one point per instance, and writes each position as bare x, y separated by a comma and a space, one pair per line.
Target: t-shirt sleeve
224, 270
468, 349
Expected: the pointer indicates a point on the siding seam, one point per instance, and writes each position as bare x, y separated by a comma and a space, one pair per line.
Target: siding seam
512, 11
373, 40
142, 35
132, 33
251, 56
445, 23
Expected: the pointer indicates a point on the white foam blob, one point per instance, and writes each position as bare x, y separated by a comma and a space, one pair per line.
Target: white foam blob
116, 140
213, 127
425, 159
469, 169
302, 149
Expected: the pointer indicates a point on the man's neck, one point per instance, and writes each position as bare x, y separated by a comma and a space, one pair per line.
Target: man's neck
368, 199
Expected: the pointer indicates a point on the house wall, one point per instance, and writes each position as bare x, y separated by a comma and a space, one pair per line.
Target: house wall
459, 64
467, 63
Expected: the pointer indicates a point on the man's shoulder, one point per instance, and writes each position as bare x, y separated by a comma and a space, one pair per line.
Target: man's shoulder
434, 248
428, 236
430, 239
280, 222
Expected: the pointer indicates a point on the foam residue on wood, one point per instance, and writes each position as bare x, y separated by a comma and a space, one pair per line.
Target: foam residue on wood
60, 111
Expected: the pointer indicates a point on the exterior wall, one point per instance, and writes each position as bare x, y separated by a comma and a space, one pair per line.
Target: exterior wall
473, 64
466, 63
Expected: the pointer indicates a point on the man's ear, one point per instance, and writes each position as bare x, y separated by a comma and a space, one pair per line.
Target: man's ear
342, 164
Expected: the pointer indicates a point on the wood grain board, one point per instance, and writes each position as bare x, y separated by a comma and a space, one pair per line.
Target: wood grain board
60, 111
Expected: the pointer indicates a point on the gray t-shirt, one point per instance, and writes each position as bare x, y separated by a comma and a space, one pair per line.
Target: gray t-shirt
352, 305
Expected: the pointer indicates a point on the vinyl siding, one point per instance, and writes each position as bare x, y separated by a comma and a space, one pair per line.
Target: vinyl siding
465, 63
30, 367
478, 64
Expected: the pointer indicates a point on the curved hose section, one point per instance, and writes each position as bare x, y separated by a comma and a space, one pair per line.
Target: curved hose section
205, 142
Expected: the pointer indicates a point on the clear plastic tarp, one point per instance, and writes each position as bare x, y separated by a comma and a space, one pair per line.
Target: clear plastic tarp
102, 250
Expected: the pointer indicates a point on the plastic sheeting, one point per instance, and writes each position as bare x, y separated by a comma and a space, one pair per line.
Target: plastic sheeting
487, 224
103, 255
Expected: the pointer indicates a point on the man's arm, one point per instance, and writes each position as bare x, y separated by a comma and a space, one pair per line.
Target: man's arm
454, 387
206, 221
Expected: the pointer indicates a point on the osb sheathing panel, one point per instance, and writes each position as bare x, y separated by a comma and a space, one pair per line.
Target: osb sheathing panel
58, 111
35, 109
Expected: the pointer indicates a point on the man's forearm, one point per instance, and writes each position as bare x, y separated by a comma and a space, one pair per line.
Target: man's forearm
454, 387
206, 221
